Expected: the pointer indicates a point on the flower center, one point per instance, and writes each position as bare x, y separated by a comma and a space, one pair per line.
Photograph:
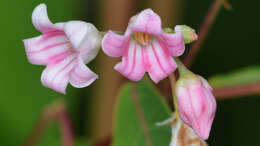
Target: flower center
71, 48
142, 38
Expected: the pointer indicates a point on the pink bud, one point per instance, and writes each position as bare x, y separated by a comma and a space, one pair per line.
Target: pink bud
196, 104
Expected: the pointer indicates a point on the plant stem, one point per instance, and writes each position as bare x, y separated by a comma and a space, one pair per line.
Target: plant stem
57, 111
175, 102
204, 29
182, 68
66, 128
236, 90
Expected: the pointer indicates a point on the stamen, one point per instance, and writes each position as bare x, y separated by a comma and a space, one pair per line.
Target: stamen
71, 48
142, 38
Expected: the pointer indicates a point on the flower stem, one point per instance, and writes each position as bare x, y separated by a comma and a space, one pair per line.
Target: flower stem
57, 111
175, 102
204, 29
182, 68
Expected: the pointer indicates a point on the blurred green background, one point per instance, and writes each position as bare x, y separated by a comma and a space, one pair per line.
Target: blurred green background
231, 44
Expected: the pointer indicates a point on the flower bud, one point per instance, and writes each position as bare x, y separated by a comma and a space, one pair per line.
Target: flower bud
196, 103
183, 135
189, 34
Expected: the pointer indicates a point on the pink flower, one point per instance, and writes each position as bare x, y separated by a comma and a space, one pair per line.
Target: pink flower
196, 104
145, 47
64, 48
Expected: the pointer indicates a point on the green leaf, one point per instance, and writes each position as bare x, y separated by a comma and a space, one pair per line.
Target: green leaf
237, 77
139, 108
57, 142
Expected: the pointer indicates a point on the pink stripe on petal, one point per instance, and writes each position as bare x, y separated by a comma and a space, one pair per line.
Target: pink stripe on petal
62, 77
51, 46
125, 66
39, 50
174, 43
156, 69
48, 55
54, 73
146, 21
59, 57
81, 76
166, 61
50, 35
36, 44
138, 68
184, 103
114, 44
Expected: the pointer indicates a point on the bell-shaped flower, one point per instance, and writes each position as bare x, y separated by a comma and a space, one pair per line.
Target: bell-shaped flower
64, 48
145, 47
196, 103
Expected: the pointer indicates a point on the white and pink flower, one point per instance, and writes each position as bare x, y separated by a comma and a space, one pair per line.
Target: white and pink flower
64, 48
145, 47
196, 103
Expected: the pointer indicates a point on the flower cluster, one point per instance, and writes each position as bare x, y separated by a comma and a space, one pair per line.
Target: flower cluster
65, 48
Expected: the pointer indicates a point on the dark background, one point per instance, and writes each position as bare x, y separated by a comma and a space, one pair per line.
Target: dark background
231, 44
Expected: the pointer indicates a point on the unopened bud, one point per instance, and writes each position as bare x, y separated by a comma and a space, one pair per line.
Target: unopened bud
189, 34
196, 103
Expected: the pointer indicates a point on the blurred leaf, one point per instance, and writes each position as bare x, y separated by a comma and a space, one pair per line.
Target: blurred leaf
57, 142
237, 77
22, 96
138, 110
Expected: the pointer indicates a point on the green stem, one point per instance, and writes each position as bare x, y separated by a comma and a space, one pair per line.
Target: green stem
175, 102
182, 68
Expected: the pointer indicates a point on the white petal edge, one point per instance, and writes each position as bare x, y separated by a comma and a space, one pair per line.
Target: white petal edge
41, 20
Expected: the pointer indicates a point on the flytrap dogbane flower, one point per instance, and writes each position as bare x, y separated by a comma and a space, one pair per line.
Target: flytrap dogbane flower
196, 103
64, 48
145, 47
183, 135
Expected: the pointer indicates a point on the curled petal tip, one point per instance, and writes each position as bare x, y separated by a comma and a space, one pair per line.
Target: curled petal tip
41, 20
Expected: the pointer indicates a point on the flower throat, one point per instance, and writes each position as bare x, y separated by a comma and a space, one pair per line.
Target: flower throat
142, 38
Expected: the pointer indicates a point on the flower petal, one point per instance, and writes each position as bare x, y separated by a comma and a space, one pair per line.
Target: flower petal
205, 83
77, 31
158, 63
41, 20
132, 65
197, 105
84, 38
113, 44
174, 41
81, 76
47, 47
56, 75
146, 21
91, 43
204, 106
